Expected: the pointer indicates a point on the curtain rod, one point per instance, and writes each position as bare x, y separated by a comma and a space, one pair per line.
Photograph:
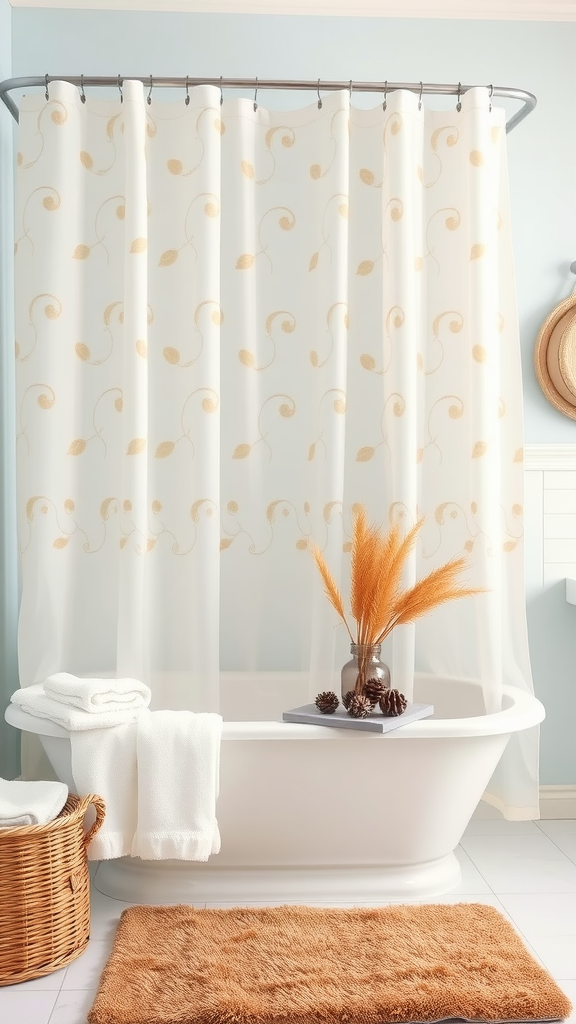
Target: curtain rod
526, 98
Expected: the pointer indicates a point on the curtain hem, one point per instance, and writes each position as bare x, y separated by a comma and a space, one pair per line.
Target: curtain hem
511, 813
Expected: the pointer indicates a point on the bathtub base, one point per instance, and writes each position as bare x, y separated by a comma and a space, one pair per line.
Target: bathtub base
164, 882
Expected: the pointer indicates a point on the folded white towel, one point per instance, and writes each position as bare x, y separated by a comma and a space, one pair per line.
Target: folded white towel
104, 762
95, 695
30, 803
178, 755
33, 700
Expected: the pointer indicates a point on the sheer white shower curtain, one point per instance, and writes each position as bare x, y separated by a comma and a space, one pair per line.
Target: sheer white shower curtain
232, 325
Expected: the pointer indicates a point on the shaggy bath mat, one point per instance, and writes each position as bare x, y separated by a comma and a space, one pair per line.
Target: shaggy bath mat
306, 965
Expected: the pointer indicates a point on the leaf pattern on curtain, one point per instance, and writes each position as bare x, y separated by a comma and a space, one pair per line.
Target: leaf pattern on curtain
233, 325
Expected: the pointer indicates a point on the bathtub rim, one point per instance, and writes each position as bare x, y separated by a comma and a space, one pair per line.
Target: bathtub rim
524, 712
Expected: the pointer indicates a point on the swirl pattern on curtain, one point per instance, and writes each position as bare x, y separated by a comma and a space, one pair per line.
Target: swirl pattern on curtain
233, 325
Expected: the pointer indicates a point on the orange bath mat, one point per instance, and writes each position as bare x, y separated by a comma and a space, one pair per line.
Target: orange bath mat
306, 965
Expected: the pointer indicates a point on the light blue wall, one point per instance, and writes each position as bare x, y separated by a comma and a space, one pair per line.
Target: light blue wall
535, 56
9, 738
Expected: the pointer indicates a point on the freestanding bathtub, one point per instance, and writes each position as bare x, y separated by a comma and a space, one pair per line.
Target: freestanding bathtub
308, 813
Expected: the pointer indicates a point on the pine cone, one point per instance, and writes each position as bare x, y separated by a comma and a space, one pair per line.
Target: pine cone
392, 703
347, 698
327, 702
374, 689
359, 707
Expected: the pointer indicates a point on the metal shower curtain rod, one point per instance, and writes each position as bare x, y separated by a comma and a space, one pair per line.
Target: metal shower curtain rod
526, 98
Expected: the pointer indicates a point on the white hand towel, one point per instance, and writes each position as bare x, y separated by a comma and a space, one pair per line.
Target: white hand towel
30, 803
95, 695
178, 778
104, 762
33, 700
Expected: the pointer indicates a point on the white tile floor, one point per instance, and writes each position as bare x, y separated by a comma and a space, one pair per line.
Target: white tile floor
527, 870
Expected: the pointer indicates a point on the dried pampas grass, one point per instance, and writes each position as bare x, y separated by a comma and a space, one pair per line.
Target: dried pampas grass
330, 587
376, 600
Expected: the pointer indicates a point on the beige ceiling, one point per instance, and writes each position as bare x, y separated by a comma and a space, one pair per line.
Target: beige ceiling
522, 10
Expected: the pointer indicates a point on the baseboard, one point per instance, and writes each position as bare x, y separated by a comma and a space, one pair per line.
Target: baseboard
555, 802
558, 801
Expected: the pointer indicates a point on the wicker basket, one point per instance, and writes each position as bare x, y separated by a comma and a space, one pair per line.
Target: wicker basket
45, 892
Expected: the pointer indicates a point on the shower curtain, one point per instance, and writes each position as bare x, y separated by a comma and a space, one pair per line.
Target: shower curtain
234, 324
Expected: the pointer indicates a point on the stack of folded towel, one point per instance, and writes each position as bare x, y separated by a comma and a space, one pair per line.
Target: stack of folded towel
30, 803
80, 704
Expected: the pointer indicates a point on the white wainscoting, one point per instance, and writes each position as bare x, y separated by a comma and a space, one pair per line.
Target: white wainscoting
550, 554
549, 514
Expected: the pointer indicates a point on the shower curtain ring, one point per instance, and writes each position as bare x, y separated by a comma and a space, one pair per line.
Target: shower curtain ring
350, 89
490, 98
149, 99
319, 96
82, 93
255, 95
221, 93
120, 89
187, 100
458, 104
420, 97
385, 103
46, 80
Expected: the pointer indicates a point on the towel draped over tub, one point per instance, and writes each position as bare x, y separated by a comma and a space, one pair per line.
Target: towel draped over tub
159, 777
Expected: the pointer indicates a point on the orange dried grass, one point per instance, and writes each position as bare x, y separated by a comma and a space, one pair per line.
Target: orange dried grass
377, 563
330, 587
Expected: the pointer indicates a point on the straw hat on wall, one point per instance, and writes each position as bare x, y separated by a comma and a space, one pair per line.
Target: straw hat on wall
555, 357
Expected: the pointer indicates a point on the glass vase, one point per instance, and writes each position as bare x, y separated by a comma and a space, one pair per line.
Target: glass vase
364, 664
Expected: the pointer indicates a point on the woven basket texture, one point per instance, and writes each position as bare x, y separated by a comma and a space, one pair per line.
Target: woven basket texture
45, 892
540, 359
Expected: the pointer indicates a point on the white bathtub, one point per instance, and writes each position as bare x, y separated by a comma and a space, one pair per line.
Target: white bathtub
308, 813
